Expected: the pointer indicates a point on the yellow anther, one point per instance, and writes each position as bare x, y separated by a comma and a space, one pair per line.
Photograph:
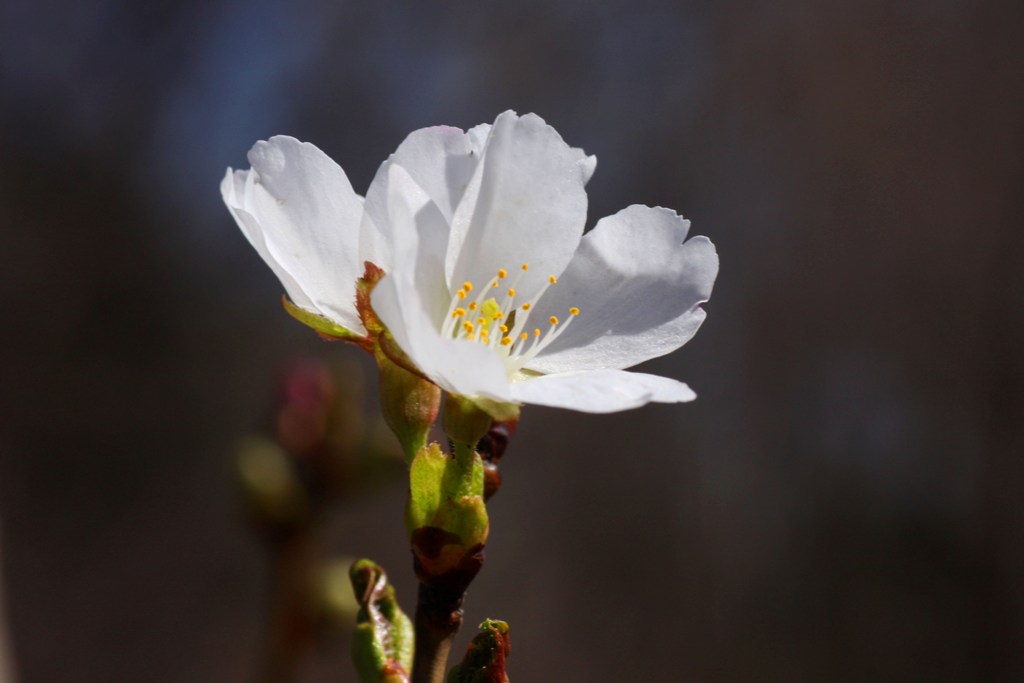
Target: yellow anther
458, 312
461, 294
481, 320
468, 326
505, 341
552, 279
502, 273
472, 306
511, 293
471, 337
524, 336
468, 286
553, 320
536, 332
574, 311
494, 284
526, 266
503, 328
526, 307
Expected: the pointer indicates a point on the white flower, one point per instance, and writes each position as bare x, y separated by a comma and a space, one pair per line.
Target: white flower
491, 287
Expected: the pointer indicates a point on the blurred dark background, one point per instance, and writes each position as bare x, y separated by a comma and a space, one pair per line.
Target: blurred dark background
843, 501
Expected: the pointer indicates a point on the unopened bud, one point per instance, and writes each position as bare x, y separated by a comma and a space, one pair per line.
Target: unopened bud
446, 516
269, 485
485, 660
382, 644
491, 449
307, 396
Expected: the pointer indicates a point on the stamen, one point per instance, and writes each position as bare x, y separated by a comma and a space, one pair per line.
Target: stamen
508, 319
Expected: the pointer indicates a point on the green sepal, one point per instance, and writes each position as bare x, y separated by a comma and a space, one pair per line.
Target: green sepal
446, 516
387, 345
447, 492
466, 518
409, 404
325, 327
383, 640
502, 412
425, 477
463, 421
485, 659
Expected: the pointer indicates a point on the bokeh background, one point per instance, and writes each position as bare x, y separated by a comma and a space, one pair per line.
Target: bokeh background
842, 503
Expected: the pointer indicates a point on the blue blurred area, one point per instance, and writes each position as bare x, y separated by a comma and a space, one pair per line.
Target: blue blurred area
842, 503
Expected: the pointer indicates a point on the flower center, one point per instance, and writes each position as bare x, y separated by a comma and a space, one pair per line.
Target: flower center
494, 315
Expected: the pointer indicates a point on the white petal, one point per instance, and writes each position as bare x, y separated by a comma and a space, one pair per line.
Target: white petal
308, 216
638, 287
600, 391
375, 238
419, 240
441, 160
459, 367
412, 299
233, 190
586, 164
525, 204
478, 136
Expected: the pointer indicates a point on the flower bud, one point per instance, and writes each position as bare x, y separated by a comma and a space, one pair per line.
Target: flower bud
270, 487
491, 449
485, 660
446, 517
382, 644
307, 398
